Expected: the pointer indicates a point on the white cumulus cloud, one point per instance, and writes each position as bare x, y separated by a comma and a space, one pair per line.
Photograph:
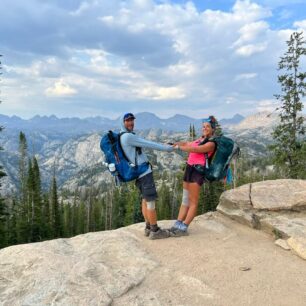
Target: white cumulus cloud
60, 89
151, 91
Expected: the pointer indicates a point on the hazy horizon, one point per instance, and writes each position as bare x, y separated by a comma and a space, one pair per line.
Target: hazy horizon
114, 118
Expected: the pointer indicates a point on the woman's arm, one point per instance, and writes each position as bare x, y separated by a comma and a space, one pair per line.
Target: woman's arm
205, 148
182, 143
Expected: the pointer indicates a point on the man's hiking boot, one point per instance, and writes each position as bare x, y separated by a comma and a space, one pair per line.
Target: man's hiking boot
177, 232
147, 232
159, 234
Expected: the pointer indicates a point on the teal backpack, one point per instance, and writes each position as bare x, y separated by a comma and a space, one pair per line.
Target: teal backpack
217, 166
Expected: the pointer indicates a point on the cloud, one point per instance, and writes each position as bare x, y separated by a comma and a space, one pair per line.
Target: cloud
245, 76
60, 89
140, 54
250, 11
250, 49
267, 105
300, 24
150, 91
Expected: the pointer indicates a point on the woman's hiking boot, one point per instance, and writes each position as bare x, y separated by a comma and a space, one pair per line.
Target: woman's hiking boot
176, 232
176, 225
179, 229
159, 234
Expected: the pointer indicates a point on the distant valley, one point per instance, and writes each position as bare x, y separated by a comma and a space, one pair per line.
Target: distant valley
70, 146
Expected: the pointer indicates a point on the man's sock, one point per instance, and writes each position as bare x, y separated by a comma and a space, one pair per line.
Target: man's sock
148, 225
154, 227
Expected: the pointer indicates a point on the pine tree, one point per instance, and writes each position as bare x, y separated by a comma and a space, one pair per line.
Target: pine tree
3, 208
23, 167
118, 208
192, 133
289, 141
89, 202
218, 130
46, 217
12, 225
95, 216
56, 217
23, 216
3, 216
163, 203
81, 212
37, 226
101, 214
75, 217
30, 200
66, 220
176, 195
129, 210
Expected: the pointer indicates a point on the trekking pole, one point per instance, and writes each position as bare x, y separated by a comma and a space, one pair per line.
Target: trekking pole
235, 174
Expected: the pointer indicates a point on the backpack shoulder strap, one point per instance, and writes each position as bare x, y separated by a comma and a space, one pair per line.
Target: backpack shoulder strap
206, 140
207, 158
119, 143
138, 149
112, 140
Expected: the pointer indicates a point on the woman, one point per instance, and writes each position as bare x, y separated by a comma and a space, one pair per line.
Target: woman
198, 150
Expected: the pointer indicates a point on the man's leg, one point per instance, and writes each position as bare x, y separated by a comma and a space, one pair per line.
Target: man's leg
148, 191
144, 210
145, 215
156, 232
151, 213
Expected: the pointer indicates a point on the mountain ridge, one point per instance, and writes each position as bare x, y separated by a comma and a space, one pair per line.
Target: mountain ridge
75, 151
75, 125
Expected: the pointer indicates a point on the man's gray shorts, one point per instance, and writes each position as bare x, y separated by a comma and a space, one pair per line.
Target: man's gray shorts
147, 187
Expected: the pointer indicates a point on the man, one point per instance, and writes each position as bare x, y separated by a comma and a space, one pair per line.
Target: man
132, 145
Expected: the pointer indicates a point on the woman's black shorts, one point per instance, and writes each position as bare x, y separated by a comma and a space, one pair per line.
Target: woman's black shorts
191, 175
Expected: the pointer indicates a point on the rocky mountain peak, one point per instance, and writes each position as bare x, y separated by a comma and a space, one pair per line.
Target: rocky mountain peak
258, 120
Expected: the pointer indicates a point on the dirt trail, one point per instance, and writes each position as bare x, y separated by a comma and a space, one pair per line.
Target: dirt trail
206, 268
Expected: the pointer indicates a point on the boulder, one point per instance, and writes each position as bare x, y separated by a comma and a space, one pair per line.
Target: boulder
298, 244
283, 244
277, 207
98, 267
273, 195
220, 263
286, 194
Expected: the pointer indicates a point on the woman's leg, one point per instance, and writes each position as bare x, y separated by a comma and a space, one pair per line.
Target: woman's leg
185, 203
194, 192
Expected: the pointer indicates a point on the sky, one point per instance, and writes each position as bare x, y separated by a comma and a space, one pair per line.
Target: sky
84, 58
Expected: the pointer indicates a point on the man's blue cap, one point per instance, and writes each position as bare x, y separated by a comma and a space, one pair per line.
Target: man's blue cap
128, 116
211, 120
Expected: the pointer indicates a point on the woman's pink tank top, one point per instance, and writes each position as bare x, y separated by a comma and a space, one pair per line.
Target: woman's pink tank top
197, 158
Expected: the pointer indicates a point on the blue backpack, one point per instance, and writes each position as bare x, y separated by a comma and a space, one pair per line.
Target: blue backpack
125, 169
